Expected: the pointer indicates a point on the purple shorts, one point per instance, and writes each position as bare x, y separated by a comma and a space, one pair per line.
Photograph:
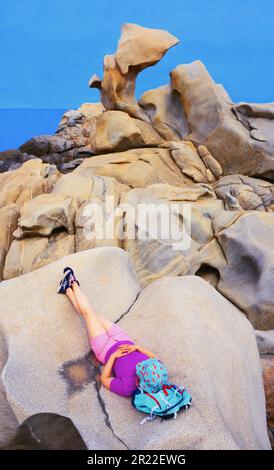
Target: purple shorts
102, 343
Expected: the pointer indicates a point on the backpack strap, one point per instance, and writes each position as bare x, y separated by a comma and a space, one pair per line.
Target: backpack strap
152, 415
166, 387
171, 407
153, 398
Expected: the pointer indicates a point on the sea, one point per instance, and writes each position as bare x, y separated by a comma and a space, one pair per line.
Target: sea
19, 125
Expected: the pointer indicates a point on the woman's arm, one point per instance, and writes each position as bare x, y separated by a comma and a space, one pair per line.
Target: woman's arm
106, 372
146, 351
107, 369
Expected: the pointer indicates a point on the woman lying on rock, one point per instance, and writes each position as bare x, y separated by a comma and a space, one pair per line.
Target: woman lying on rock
129, 370
111, 345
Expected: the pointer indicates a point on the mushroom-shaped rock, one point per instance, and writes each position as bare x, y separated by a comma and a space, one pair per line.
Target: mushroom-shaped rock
138, 48
141, 47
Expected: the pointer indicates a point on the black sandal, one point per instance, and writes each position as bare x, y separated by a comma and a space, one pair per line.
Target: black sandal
64, 285
69, 272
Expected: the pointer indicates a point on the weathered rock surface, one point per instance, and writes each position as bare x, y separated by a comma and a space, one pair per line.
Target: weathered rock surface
240, 136
268, 377
45, 144
75, 125
164, 247
105, 274
13, 159
224, 339
136, 168
92, 231
246, 279
142, 47
192, 164
240, 257
8, 420
32, 253
32, 179
9, 216
242, 192
210, 162
67, 167
217, 247
138, 48
200, 324
114, 131
165, 110
265, 341
46, 213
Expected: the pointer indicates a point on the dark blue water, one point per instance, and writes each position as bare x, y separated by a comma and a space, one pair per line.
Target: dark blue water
19, 125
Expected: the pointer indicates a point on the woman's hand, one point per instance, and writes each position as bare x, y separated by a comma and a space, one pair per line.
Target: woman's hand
119, 352
128, 348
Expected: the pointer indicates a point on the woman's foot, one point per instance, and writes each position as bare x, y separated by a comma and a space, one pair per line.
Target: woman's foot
64, 284
69, 271
67, 281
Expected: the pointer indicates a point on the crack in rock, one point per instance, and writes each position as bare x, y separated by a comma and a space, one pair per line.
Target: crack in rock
127, 311
107, 419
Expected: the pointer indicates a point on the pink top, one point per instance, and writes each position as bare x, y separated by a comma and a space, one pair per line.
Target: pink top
124, 370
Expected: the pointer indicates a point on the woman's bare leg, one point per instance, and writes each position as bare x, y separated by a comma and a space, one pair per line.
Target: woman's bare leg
95, 323
70, 295
105, 322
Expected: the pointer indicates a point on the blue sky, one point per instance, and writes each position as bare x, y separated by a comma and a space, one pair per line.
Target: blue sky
49, 49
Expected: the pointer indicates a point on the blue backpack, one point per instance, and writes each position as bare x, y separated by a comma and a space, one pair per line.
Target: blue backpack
155, 395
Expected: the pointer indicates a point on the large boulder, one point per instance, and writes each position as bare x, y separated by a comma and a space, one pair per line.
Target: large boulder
142, 47
165, 226
13, 159
210, 348
9, 216
46, 353
31, 179
239, 136
99, 220
46, 341
73, 185
240, 255
247, 243
136, 168
46, 144
8, 420
32, 253
75, 125
114, 131
46, 213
